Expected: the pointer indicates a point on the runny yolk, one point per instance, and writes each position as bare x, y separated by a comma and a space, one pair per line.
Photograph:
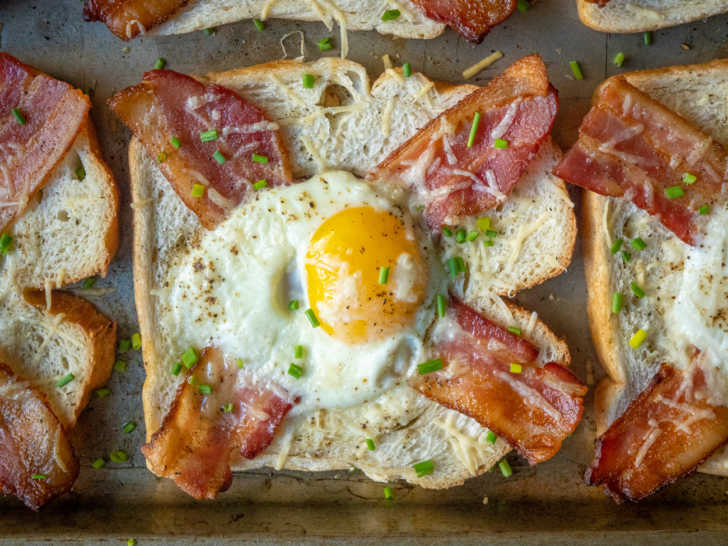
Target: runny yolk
343, 264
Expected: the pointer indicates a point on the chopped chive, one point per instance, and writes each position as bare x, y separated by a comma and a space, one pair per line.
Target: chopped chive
460, 264
523, 6
192, 380
483, 223
240, 363
441, 305
514, 330
638, 243
455, 266
383, 275
19, 116
103, 392
324, 44
424, 468
705, 209
208, 136
689, 178
295, 370
257, 158
619, 60
505, 469
617, 300
88, 283
647, 37
221, 159
311, 316
177, 368
308, 81
406, 70
176, 143
626, 256
119, 456
120, 366
388, 494
576, 70
80, 173
65, 380
198, 190
124, 346
472, 236
500, 143
637, 290
488, 242
298, 351
129, 427
474, 129
293, 305
429, 366
260, 25
616, 245
673, 192
205, 389
40, 477
190, 357
446, 231
391, 15
516, 368
227, 408
210, 31
460, 235
136, 341
260, 184
370, 444
131, 542
637, 339
160, 64
491, 437
98, 463
162, 156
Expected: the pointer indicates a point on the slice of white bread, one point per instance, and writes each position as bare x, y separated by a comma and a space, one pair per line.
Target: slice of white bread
625, 16
699, 93
344, 124
348, 14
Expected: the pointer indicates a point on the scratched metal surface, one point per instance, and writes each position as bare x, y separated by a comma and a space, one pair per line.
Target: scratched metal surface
546, 503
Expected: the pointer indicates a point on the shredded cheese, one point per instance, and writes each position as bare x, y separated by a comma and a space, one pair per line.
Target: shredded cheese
266, 9
482, 65
387, 117
524, 232
386, 59
466, 448
283, 39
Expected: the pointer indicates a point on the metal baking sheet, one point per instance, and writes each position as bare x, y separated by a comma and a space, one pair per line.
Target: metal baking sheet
546, 503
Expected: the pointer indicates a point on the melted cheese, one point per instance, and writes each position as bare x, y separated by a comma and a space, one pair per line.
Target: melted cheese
466, 448
482, 65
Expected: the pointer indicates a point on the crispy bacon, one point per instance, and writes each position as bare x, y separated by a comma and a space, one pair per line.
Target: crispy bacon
473, 20
664, 434
632, 146
52, 113
36, 458
129, 18
167, 104
198, 437
455, 180
601, 3
534, 410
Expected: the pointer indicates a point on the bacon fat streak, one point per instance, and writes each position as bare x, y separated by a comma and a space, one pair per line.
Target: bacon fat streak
130, 18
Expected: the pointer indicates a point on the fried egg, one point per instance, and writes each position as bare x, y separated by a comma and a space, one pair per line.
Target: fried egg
331, 275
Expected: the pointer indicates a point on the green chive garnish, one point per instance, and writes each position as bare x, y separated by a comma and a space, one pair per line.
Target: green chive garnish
441, 305
647, 37
637, 290
638, 243
205, 389
259, 158
491, 437
260, 25
705, 209
131, 542
119, 456
689, 178
619, 59
424, 468
160, 64
208, 136
176, 368
124, 346
65, 380
516, 368
80, 173
260, 184
129, 427
370, 444
190, 357
617, 300
295, 370
576, 70
103, 392
673, 192
446, 231
240, 363
308, 81
455, 266
460, 235
626, 256
98, 463
514, 330
88, 283
474, 129
383, 275
19, 116
406, 70
162, 156
324, 44
388, 493
637, 339
198, 190
40, 477
136, 341
293, 305
472, 236
391, 15
483, 223
298, 351
523, 6
176, 143
311, 316
616, 245
491, 233
219, 157
210, 31
429, 366
505, 469
488, 242
500, 143
120, 366
227, 408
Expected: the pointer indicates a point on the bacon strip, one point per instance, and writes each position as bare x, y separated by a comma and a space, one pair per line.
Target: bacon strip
473, 20
32, 443
53, 112
198, 437
601, 3
631, 146
534, 410
129, 18
453, 180
664, 434
167, 104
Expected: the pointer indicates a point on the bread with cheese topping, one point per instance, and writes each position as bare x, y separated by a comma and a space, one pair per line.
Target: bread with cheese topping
699, 94
348, 124
625, 16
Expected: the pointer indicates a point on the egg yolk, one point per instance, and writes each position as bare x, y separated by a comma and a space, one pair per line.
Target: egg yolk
354, 300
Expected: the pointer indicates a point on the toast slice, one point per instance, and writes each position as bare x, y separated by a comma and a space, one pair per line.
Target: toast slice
351, 126
698, 93
625, 16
